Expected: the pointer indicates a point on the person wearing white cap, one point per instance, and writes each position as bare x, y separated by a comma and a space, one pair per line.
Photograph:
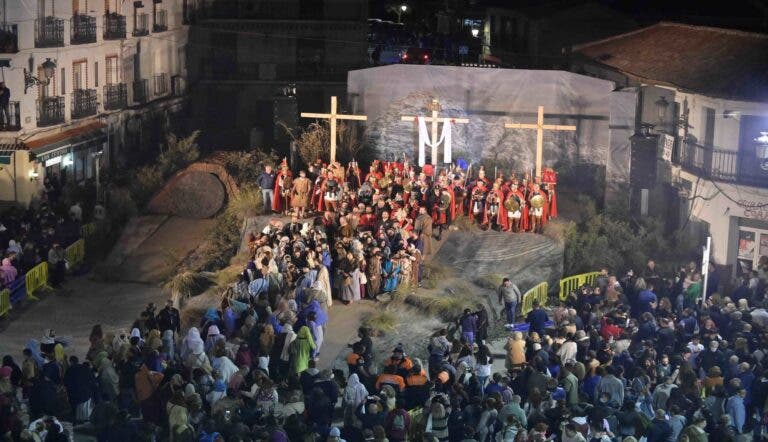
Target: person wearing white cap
334, 435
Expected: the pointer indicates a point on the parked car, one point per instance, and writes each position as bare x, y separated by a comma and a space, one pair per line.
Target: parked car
414, 55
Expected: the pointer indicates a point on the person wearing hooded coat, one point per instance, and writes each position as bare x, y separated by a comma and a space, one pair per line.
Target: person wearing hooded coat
301, 350
190, 341
354, 395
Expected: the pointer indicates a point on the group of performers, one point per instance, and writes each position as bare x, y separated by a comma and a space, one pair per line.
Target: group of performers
502, 203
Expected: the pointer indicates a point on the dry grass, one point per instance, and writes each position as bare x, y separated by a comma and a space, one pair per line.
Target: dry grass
437, 270
448, 306
227, 275
383, 321
489, 281
186, 285
247, 203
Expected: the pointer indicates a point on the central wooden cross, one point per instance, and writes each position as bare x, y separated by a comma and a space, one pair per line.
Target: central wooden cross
333, 116
434, 107
540, 128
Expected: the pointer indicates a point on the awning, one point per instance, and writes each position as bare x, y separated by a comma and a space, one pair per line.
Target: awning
7, 150
62, 143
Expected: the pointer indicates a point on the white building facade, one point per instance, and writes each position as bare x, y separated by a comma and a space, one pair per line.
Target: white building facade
81, 73
695, 93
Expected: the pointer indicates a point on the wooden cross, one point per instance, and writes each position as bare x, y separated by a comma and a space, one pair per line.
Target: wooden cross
333, 116
540, 128
434, 107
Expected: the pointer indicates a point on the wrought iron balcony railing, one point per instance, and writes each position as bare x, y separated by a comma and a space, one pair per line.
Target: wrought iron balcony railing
49, 32
50, 111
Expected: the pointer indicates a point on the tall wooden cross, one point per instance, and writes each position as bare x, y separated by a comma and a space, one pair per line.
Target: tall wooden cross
333, 116
434, 107
540, 128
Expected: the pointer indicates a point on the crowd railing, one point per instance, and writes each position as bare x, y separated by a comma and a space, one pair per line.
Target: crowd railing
571, 283
37, 277
539, 293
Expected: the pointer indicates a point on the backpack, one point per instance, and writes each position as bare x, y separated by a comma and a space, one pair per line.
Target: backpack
398, 423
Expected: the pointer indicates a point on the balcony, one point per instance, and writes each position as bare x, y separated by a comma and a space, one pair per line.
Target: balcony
140, 91
738, 167
11, 122
161, 84
50, 111
115, 96
114, 26
83, 29
84, 103
140, 25
9, 39
161, 21
49, 32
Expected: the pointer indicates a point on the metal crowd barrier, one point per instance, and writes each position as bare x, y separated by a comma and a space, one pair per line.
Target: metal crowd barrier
571, 283
538, 292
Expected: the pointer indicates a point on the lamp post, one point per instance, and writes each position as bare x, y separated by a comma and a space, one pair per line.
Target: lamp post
97, 160
402, 9
49, 69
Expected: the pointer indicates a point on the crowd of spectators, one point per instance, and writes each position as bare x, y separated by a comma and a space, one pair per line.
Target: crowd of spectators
38, 233
650, 355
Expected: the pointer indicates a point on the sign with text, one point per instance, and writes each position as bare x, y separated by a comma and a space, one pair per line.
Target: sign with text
666, 144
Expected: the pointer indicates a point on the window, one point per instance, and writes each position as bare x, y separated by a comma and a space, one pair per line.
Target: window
112, 71
708, 117
80, 74
63, 81
96, 73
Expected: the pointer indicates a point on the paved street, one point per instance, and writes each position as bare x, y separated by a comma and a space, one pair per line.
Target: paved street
112, 304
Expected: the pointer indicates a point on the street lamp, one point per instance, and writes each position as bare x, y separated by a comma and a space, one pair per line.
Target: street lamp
400, 11
475, 32
49, 69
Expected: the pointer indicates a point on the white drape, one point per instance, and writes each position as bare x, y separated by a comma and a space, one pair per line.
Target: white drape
424, 141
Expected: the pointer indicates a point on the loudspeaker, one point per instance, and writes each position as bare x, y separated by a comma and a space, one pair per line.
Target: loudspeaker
642, 171
285, 110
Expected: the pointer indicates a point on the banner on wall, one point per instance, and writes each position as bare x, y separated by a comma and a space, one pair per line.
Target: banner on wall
666, 144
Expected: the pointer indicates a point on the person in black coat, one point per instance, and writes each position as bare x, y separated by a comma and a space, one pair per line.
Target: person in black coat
660, 430
42, 398
80, 382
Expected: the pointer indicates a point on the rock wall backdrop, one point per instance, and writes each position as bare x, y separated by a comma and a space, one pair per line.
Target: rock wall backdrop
488, 98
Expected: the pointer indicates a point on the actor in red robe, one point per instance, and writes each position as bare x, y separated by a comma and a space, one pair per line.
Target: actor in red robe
494, 212
280, 182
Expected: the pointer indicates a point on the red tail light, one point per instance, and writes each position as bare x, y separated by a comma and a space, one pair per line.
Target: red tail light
426, 57
405, 56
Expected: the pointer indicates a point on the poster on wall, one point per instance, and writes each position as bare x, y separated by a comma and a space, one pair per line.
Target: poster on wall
746, 252
764, 244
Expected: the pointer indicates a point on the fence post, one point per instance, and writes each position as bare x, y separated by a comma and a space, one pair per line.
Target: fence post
5, 302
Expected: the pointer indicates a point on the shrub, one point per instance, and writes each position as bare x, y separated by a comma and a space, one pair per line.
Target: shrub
185, 285
247, 203
619, 243
448, 306
245, 167
179, 153
147, 181
223, 241
381, 321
